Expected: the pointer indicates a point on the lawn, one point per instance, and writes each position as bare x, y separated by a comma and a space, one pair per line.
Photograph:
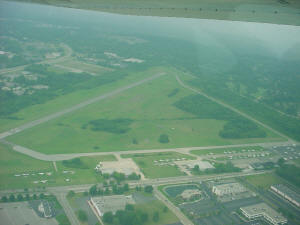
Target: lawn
151, 170
13, 163
149, 111
66, 101
264, 180
217, 151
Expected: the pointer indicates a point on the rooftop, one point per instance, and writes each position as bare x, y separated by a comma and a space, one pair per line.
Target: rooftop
262, 209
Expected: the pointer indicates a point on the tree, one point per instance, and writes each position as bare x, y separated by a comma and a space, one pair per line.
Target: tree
20, 197
42, 196
108, 217
163, 138
148, 189
71, 194
129, 207
125, 187
12, 198
34, 196
82, 215
156, 216
196, 168
93, 190
280, 162
27, 197
4, 199
165, 209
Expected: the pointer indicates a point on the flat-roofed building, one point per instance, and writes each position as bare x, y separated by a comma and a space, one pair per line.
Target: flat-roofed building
228, 189
112, 204
287, 193
262, 210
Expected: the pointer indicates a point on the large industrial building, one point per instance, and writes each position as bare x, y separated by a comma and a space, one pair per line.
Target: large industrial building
228, 189
287, 193
112, 204
262, 210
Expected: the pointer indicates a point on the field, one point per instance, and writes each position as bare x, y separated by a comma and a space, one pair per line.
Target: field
14, 168
147, 164
223, 150
65, 101
264, 181
76, 132
265, 11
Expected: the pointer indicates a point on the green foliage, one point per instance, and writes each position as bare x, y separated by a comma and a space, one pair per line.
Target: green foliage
164, 138
148, 189
117, 126
4, 199
236, 127
290, 173
173, 92
11, 198
62, 219
71, 194
155, 216
108, 217
93, 190
75, 163
82, 215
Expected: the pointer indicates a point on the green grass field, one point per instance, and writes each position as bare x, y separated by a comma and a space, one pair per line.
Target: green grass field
223, 150
151, 112
264, 180
62, 102
13, 163
151, 170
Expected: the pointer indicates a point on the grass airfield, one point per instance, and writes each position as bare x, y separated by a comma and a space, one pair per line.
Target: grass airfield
150, 110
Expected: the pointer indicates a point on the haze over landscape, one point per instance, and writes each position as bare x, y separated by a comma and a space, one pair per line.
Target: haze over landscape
108, 118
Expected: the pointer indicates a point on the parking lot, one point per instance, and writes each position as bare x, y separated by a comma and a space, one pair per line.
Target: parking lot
19, 213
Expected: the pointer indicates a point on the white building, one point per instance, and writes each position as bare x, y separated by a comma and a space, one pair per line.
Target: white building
112, 204
228, 189
287, 193
264, 211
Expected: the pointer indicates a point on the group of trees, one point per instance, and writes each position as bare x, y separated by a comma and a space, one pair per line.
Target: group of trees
130, 216
119, 177
114, 189
227, 167
116, 126
21, 197
236, 126
75, 163
289, 172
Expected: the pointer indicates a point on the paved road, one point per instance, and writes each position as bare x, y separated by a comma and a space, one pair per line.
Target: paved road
183, 219
186, 150
61, 197
233, 109
76, 107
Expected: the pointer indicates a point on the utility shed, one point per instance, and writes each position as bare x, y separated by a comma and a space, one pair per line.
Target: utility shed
228, 189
